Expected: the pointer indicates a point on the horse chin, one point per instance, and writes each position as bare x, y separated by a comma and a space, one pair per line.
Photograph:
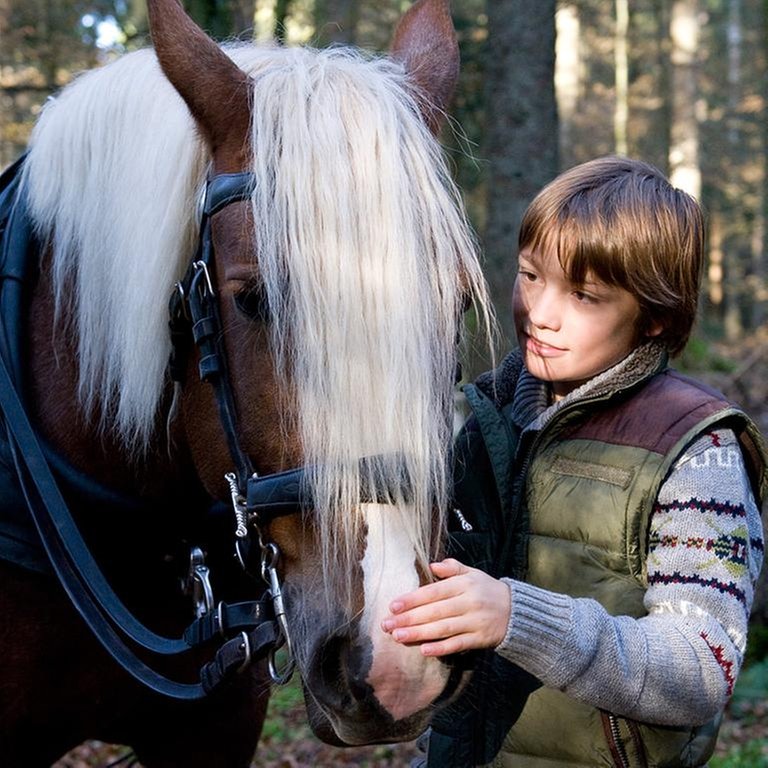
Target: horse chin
362, 725
357, 693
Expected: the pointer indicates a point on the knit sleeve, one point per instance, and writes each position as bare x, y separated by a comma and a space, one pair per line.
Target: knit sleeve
678, 664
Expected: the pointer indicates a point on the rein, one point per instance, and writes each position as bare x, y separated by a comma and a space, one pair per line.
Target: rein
245, 631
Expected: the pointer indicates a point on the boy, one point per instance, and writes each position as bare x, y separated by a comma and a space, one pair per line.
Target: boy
622, 498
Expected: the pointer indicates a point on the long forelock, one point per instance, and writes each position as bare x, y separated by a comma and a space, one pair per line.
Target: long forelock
364, 251
362, 244
112, 179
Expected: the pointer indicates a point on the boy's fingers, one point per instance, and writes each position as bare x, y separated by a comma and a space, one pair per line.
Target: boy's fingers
435, 630
430, 593
455, 644
422, 614
448, 567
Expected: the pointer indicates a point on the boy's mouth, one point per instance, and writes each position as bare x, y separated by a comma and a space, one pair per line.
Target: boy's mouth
542, 349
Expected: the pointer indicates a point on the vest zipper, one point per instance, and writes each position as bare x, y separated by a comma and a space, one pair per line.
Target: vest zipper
613, 737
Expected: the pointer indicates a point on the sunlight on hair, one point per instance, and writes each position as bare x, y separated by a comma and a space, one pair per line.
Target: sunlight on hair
364, 251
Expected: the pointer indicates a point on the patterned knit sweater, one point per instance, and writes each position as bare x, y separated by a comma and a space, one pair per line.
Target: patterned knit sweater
678, 664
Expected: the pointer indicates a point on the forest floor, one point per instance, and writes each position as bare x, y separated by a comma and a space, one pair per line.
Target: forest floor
741, 371
288, 743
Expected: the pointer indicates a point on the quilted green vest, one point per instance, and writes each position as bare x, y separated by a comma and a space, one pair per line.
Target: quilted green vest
582, 530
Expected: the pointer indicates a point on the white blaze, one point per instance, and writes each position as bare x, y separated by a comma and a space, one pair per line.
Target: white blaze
403, 680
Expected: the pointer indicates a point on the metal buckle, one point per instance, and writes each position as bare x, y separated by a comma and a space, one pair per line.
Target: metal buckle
201, 265
246, 646
270, 554
197, 583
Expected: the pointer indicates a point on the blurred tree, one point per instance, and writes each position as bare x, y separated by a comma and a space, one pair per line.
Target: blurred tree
520, 132
42, 43
732, 127
621, 57
281, 14
685, 171
650, 68
336, 21
243, 16
568, 74
214, 16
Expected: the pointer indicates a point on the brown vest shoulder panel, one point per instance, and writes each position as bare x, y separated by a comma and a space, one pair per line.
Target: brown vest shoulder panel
654, 417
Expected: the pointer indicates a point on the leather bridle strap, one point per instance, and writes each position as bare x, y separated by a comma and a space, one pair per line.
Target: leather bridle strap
194, 305
81, 579
289, 492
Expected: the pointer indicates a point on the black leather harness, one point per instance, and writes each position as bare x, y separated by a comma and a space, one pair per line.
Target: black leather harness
245, 631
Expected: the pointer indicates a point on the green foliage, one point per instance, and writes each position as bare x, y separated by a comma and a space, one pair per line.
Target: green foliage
751, 688
757, 644
284, 702
753, 754
748, 707
700, 356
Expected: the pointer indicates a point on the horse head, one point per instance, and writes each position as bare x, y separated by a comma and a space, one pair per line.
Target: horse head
339, 294
337, 258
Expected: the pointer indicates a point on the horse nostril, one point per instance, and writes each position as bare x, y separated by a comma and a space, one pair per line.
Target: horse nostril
329, 663
342, 668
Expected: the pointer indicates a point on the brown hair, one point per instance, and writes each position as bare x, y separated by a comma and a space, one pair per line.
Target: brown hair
622, 222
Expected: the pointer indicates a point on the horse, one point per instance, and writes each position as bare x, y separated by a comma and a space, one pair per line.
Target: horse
302, 197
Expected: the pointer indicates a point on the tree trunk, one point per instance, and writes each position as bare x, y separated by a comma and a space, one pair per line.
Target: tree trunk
521, 132
760, 233
734, 244
684, 145
567, 74
243, 15
281, 14
621, 57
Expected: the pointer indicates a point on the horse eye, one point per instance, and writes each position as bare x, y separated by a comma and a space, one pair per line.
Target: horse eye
253, 303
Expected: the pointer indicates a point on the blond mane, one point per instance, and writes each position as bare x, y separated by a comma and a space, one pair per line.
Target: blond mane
363, 247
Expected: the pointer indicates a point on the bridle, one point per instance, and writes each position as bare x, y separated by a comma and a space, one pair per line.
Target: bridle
245, 632
256, 500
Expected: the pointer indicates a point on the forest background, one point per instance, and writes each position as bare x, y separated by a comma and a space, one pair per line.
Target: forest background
544, 85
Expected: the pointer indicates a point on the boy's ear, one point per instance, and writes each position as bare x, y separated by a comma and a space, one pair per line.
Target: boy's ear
654, 329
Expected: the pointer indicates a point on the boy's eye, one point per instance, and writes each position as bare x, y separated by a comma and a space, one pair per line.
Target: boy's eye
252, 302
527, 276
584, 298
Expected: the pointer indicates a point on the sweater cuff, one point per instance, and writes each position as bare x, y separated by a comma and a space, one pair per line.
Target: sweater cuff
539, 623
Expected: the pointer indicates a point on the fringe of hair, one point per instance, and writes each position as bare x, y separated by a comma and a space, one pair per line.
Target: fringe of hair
363, 247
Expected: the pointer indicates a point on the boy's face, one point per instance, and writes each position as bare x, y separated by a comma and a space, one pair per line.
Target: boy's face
569, 333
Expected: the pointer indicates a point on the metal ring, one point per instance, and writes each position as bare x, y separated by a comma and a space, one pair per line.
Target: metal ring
179, 287
280, 677
220, 618
270, 554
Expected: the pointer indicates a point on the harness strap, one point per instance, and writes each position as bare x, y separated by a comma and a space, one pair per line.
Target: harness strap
194, 305
289, 492
238, 653
79, 574
227, 619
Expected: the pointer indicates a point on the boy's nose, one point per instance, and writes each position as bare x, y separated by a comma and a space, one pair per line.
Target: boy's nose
545, 310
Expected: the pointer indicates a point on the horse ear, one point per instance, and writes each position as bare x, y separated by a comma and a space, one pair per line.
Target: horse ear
214, 88
425, 41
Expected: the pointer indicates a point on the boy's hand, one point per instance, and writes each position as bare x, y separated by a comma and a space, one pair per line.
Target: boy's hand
466, 609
